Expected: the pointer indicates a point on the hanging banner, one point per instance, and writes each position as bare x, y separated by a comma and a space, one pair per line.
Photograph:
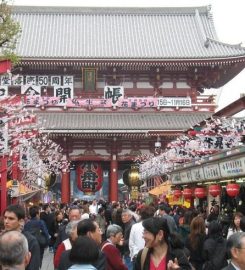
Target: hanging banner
114, 93
3, 138
3, 91
55, 81
25, 157
18, 80
30, 90
89, 177
63, 93
83, 103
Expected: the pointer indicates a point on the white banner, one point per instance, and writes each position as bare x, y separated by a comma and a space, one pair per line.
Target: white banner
63, 93
3, 139
113, 92
31, 90
3, 91
55, 81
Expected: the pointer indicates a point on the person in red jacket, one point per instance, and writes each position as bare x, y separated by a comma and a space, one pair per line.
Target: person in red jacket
114, 237
71, 231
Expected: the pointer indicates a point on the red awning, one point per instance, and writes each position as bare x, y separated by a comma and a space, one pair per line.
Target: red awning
5, 65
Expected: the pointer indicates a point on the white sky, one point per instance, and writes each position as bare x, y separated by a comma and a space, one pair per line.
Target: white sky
229, 19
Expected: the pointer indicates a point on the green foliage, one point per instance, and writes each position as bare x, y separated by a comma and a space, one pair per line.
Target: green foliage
9, 33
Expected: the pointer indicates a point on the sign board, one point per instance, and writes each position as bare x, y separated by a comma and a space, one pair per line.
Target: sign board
211, 171
185, 176
175, 178
231, 167
197, 174
174, 102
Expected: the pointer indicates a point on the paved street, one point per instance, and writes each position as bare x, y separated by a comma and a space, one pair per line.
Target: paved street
47, 261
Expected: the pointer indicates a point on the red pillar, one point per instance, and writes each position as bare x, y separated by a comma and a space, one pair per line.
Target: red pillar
3, 182
65, 186
114, 179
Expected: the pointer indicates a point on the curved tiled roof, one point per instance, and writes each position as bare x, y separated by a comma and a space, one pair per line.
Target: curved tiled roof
120, 33
119, 122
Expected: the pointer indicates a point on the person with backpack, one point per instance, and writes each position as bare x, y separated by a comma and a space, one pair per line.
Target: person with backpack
38, 228
214, 248
158, 252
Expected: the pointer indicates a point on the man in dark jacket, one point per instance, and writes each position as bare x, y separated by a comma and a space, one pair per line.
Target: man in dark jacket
91, 229
36, 227
14, 219
236, 251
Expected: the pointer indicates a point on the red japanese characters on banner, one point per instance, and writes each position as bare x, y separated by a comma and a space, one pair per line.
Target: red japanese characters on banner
214, 190
200, 192
187, 193
89, 177
232, 189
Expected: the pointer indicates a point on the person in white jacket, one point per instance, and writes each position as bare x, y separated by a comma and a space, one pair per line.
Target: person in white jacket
136, 241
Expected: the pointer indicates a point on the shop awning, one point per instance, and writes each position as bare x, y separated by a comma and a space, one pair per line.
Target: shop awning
164, 188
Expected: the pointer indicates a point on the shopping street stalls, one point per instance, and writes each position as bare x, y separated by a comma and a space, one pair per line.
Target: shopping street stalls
210, 177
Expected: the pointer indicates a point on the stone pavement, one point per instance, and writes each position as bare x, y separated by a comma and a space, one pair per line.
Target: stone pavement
47, 260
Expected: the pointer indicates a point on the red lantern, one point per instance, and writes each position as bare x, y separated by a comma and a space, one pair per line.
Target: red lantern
177, 193
89, 177
214, 190
192, 132
187, 193
200, 192
232, 189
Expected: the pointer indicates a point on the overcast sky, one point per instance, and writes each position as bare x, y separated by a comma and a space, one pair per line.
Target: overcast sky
229, 19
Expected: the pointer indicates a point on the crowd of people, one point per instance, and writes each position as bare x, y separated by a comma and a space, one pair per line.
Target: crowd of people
121, 236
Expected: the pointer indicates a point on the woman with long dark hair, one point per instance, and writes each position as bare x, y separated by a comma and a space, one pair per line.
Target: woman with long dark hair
195, 242
158, 253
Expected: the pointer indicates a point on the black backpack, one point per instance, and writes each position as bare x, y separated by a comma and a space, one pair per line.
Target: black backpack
40, 236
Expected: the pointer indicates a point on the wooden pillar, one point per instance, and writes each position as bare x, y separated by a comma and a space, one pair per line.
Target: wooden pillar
3, 183
65, 186
113, 189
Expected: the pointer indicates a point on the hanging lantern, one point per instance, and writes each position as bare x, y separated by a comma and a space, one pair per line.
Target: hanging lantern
89, 177
200, 192
131, 178
187, 193
177, 193
232, 189
214, 190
